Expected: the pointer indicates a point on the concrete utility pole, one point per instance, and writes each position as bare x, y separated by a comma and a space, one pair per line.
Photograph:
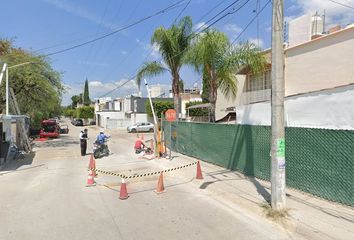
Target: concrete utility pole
278, 130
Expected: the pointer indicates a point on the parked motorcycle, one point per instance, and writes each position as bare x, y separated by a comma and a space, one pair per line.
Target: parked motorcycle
100, 150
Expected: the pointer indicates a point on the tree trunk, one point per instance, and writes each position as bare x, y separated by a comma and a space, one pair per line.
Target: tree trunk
213, 96
175, 91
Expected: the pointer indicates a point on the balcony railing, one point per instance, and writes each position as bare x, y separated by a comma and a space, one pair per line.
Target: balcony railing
255, 96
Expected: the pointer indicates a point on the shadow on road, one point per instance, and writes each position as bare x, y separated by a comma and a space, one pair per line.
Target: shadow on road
261, 190
21, 160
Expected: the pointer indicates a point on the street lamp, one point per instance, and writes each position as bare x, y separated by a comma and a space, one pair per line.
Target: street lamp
5, 67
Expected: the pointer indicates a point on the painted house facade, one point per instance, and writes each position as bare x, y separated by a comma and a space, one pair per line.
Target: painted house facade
122, 112
319, 85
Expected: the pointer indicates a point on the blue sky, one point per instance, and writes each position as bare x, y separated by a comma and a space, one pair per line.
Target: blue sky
47, 26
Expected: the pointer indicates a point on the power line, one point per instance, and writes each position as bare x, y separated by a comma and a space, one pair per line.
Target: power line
212, 9
342, 4
181, 12
226, 8
118, 30
91, 47
193, 35
252, 20
82, 38
147, 56
226, 14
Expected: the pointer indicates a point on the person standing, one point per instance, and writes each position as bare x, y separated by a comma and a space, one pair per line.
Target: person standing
83, 142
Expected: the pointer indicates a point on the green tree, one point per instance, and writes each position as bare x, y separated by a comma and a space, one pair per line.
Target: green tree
69, 112
37, 86
213, 55
85, 112
172, 44
75, 99
160, 107
86, 96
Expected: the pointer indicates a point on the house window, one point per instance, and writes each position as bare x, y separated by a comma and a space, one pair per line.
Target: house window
259, 82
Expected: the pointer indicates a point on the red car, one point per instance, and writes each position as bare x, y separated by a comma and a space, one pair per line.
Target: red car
50, 128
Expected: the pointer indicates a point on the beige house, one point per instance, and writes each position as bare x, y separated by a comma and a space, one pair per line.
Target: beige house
319, 78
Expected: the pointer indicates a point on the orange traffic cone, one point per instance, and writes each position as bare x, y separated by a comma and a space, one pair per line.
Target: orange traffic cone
199, 172
92, 166
160, 187
123, 194
90, 180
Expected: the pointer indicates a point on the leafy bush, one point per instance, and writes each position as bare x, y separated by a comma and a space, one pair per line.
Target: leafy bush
196, 112
159, 107
85, 112
70, 113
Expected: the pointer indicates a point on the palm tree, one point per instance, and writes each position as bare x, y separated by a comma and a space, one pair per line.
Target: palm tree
172, 44
213, 56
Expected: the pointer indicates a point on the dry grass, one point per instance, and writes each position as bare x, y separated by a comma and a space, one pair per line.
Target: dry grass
276, 215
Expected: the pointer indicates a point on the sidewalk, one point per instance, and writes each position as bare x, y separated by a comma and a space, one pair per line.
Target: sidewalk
310, 217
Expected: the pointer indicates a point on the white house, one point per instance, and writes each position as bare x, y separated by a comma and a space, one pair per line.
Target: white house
123, 112
319, 85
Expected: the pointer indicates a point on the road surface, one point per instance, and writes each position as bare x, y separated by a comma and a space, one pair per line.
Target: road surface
44, 196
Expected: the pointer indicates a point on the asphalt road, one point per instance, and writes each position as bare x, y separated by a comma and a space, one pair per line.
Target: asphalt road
44, 196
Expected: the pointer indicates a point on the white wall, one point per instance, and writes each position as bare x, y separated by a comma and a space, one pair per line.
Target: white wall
323, 63
223, 102
139, 117
332, 109
111, 115
300, 30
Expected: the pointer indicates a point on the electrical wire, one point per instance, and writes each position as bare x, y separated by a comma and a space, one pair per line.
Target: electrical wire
226, 14
92, 46
118, 30
212, 9
181, 12
147, 56
225, 9
342, 4
193, 35
82, 38
250, 22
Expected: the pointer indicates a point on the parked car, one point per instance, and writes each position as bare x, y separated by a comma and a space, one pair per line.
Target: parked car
141, 127
64, 129
49, 128
77, 122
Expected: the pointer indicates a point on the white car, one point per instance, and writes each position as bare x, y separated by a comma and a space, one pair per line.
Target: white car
141, 127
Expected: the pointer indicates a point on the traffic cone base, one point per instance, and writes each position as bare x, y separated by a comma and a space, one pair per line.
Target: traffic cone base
90, 180
199, 172
160, 187
123, 193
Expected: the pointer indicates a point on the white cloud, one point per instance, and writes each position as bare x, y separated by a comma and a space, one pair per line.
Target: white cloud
257, 41
95, 84
335, 13
154, 49
232, 29
124, 52
81, 12
200, 26
98, 88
